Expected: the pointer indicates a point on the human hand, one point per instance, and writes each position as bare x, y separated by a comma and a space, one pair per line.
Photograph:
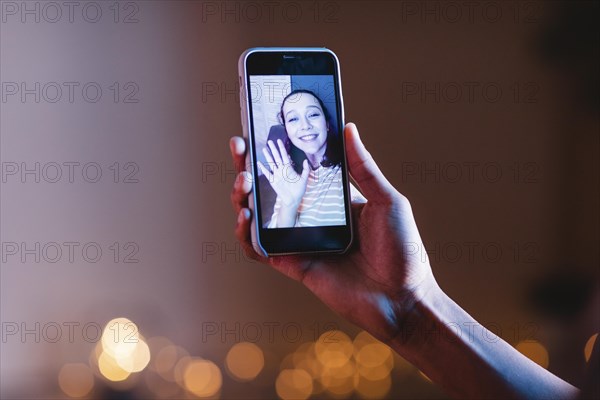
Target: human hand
289, 186
385, 273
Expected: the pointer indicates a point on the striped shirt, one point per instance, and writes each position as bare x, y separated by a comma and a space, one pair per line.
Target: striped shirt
323, 201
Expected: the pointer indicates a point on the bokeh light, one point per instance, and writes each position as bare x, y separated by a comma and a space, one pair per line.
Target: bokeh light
375, 361
202, 378
363, 338
120, 337
76, 380
305, 358
164, 354
179, 370
121, 351
244, 361
110, 369
294, 384
137, 360
338, 367
334, 349
535, 351
339, 381
334, 366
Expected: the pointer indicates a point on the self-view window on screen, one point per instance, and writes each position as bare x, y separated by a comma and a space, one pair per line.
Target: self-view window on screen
299, 151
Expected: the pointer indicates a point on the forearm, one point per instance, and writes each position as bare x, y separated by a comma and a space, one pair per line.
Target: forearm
467, 360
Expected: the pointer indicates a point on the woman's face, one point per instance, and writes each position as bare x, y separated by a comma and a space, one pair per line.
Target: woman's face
305, 123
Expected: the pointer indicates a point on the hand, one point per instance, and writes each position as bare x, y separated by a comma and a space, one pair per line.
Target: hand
385, 272
289, 186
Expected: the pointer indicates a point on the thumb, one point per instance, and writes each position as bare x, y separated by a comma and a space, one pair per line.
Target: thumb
363, 168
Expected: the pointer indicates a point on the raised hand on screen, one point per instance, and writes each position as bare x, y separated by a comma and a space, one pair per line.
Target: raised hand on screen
287, 183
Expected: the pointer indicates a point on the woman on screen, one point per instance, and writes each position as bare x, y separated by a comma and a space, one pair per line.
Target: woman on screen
304, 169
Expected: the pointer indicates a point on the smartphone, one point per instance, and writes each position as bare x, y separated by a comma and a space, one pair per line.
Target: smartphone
293, 119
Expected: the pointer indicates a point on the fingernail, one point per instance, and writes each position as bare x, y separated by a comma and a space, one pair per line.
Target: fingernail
244, 215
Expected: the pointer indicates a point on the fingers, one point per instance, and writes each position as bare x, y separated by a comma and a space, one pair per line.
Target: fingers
363, 168
239, 196
284, 155
242, 233
237, 146
275, 153
241, 187
268, 157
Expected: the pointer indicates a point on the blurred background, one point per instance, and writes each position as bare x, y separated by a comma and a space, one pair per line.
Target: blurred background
120, 274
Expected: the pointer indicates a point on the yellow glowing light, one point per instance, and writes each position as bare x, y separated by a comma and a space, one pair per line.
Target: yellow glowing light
110, 369
334, 349
167, 361
136, 361
310, 365
374, 373
179, 370
589, 346
304, 350
373, 389
164, 359
245, 361
374, 355
339, 380
374, 361
362, 339
202, 378
120, 337
94, 356
76, 380
287, 362
535, 351
294, 384
304, 358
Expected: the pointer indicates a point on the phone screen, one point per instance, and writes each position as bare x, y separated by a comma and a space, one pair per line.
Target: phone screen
296, 117
300, 113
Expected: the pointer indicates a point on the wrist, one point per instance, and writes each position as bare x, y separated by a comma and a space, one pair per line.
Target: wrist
417, 314
291, 204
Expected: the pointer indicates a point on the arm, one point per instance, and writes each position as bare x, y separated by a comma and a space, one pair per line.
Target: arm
466, 359
392, 293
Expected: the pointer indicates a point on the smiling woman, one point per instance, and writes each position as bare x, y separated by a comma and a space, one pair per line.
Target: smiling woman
304, 166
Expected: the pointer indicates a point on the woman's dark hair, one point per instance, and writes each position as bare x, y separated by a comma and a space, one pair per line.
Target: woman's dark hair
333, 154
